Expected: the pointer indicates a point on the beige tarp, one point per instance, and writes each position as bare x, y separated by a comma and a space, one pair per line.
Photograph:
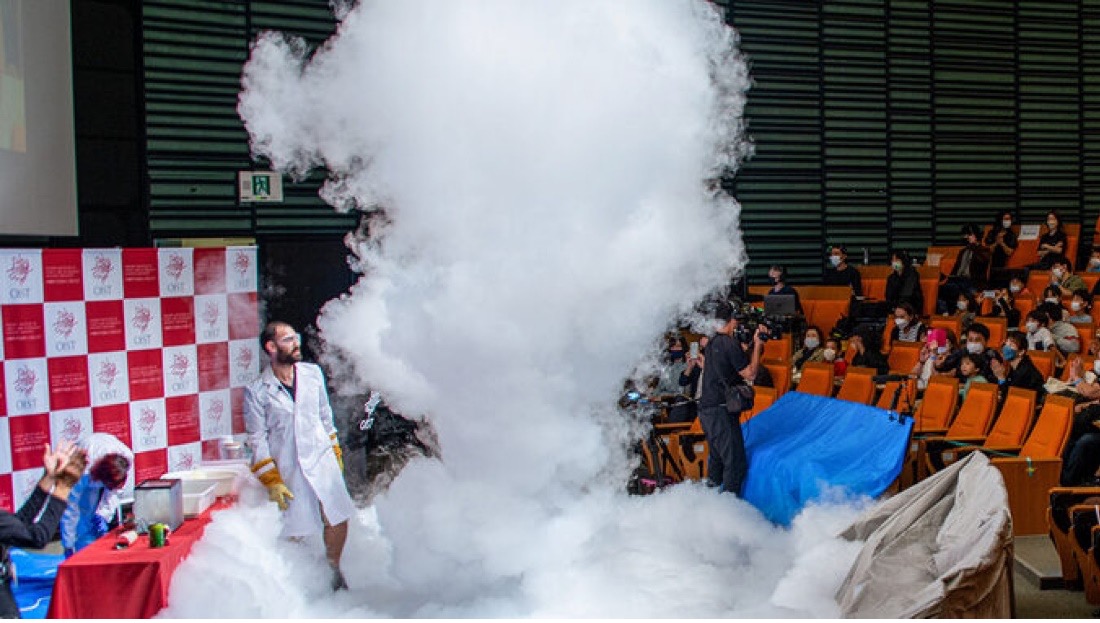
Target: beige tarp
942, 548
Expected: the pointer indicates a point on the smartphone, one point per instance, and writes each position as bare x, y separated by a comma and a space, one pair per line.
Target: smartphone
694, 349
989, 294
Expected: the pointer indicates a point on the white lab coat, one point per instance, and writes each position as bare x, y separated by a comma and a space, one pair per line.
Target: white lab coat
90, 497
296, 434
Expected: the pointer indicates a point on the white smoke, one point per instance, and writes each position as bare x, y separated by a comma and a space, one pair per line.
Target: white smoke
545, 170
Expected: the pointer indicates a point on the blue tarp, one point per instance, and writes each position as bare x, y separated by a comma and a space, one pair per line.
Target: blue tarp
36, 576
803, 445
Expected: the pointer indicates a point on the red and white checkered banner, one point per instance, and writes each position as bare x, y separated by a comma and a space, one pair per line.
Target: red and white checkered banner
154, 346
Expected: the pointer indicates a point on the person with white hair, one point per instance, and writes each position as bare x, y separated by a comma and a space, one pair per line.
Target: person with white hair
95, 499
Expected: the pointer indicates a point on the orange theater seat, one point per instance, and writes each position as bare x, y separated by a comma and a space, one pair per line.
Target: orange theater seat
1037, 280
858, 385
938, 406
873, 279
824, 305
817, 379
903, 357
998, 328
778, 348
971, 422
930, 288
1090, 279
946, 256
1008, 431
1044, 361
954, 323
780, 372
765, 397
905, 398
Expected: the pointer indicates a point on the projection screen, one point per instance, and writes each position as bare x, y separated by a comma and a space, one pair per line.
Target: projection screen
37, 161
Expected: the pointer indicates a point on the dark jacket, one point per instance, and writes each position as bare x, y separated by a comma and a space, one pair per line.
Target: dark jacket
904, 288
848, 277
1024, 375
21, 530
978, 272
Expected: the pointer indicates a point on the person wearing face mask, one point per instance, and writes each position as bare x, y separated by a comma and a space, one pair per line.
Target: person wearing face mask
673, 366
1019, 289
1081, 456
971, 270
832, 354
1080, 307
1052, 304
966, 310
1062, 277
976, 337
777, 277
935, 347
903, 284
868, 350
1002, 243
1094, 261
840, 273
811, 350
907, 326
1017, 369
1004, 305
1039, 336
1053, 243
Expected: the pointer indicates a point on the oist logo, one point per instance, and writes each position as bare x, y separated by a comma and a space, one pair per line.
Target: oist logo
175, 266
244, 359
241, 262
142, 317
148, 420
72, 429
211, 313
20, 269
180, 365
217, 410
25, 380
108, 372
186, 462
65, 323
102, 268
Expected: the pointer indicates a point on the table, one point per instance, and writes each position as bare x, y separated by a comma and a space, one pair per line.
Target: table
100, 582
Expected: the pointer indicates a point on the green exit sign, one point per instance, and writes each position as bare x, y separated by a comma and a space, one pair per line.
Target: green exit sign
257, 186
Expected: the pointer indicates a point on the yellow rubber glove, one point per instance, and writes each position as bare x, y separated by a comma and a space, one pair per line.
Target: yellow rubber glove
277, 491
337, 451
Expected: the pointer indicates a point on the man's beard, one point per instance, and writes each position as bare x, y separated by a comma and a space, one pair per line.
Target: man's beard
288, 357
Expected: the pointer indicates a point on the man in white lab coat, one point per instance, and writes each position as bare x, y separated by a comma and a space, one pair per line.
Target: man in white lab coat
295, 451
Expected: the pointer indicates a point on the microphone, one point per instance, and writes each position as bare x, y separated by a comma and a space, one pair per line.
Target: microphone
886, 378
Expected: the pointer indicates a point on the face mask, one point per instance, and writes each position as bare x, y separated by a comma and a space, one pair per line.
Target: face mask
900, 322
1052, 224
1032, 327
1075, 305
941, 350
834, 260
1015, 289
1096, 366
1009, 352
962, 305
974, 348
896, 266
1007, 223
676, 355
1094, 261
1059, 273
1052, 299
811, 342
830, 354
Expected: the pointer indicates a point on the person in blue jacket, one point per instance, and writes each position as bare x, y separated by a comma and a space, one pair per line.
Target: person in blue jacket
94, 500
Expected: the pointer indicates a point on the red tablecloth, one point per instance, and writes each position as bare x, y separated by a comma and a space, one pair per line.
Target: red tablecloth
100, 582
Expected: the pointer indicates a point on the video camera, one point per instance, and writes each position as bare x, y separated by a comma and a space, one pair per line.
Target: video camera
749, 318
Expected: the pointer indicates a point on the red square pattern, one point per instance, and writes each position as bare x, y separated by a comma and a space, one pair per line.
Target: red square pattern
3, 392
213, 366
151, 464
177, 318
244, 316
183, 419
209, 271
113, 419
68, 382
236, 399
106, 331
5, 493
140, 276
28, 434
24, 331
146, 374
63, 274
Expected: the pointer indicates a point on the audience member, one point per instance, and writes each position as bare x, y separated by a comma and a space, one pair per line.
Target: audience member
841, 273
1018, 288
868, 351
1062, 277
1080, 307
966, 309
971, 270
1094, 261
903, 284
1052, 304
1002, 243
1016, 370
935, 345
976, 338
1004, 305
1052, 243
1039, 336
1081, 457
777, 276
907, 325
970, 369
811, 350
832, 354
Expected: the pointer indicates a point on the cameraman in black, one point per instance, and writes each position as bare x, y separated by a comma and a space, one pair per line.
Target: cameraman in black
727, 364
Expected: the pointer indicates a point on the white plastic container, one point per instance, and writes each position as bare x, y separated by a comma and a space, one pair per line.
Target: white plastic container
225, 480
198, 495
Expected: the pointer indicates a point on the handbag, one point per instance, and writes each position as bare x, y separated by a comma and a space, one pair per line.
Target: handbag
739, 397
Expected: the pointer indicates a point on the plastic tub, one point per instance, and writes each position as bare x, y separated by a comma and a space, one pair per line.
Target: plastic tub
227, 481
198, 495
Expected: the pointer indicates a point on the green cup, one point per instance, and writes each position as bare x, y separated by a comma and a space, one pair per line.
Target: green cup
157, 535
